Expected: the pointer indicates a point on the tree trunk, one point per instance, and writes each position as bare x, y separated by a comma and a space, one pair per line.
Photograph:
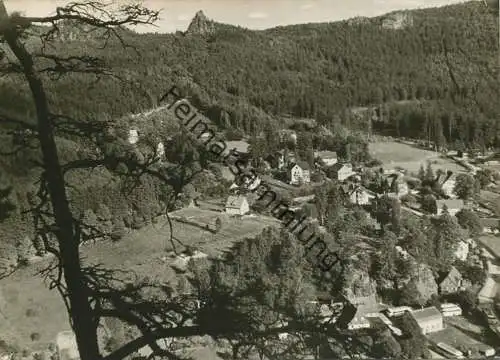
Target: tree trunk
82, 319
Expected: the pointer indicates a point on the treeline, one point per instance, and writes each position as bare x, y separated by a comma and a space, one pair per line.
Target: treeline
240, 77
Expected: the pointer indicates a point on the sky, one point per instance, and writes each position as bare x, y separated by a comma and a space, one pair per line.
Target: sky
253, 14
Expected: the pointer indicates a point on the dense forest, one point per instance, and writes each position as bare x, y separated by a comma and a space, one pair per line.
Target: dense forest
441, 67
434, 79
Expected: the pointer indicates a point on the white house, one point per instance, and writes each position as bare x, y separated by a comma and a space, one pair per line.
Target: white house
237, 205
160, 150
462, 251
299, 173
358, 323
452, 282
449, 309
343, 171
329, 158
360, 196
453, 205
428, 319
133, 136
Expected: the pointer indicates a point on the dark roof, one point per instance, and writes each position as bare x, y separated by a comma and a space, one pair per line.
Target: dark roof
304, 165
339, 166
326, 154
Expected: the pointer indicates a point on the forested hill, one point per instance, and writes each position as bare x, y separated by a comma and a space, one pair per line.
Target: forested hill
238, 76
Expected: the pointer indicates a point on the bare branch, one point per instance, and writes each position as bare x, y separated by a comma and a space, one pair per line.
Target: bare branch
73, 64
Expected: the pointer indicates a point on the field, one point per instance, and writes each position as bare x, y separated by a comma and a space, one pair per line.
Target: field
394, 154
27, 306
492, 243
458, 339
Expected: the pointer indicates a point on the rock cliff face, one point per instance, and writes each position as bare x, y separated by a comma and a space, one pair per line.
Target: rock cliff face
361, 289
397, 21
201, 25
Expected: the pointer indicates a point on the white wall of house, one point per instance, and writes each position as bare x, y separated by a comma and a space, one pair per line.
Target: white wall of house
160, 150
244, 209
344, 172
359, 198
298, 175
462, 251
431, 325
133, 136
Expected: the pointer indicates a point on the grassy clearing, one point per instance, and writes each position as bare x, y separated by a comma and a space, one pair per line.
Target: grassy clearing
28, 306
459, 339
492, 243
394, 154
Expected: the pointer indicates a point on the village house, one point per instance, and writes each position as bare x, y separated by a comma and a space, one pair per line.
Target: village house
428, 319
462, 250
329, 158
237, 205
287, 135
359, 195
342, 171
133, 136
452, 283
449, 309
453, 206
299, 173
358, 322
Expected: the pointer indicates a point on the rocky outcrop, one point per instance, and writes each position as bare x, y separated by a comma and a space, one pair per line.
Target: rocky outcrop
397, 20
361, 289
200, 25
425, 282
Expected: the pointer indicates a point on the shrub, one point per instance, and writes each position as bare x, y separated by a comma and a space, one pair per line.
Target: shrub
35, 336
31, 312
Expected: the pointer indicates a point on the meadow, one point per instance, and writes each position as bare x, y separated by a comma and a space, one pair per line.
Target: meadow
394, 155
27, 306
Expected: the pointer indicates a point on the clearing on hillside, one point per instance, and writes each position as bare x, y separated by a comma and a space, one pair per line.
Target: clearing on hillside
394, 154
27, 305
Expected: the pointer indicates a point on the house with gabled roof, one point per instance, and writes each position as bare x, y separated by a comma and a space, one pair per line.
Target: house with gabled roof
299, 172
452, 282
452, 205
329, 158
342, 171
428, 319
237, 205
